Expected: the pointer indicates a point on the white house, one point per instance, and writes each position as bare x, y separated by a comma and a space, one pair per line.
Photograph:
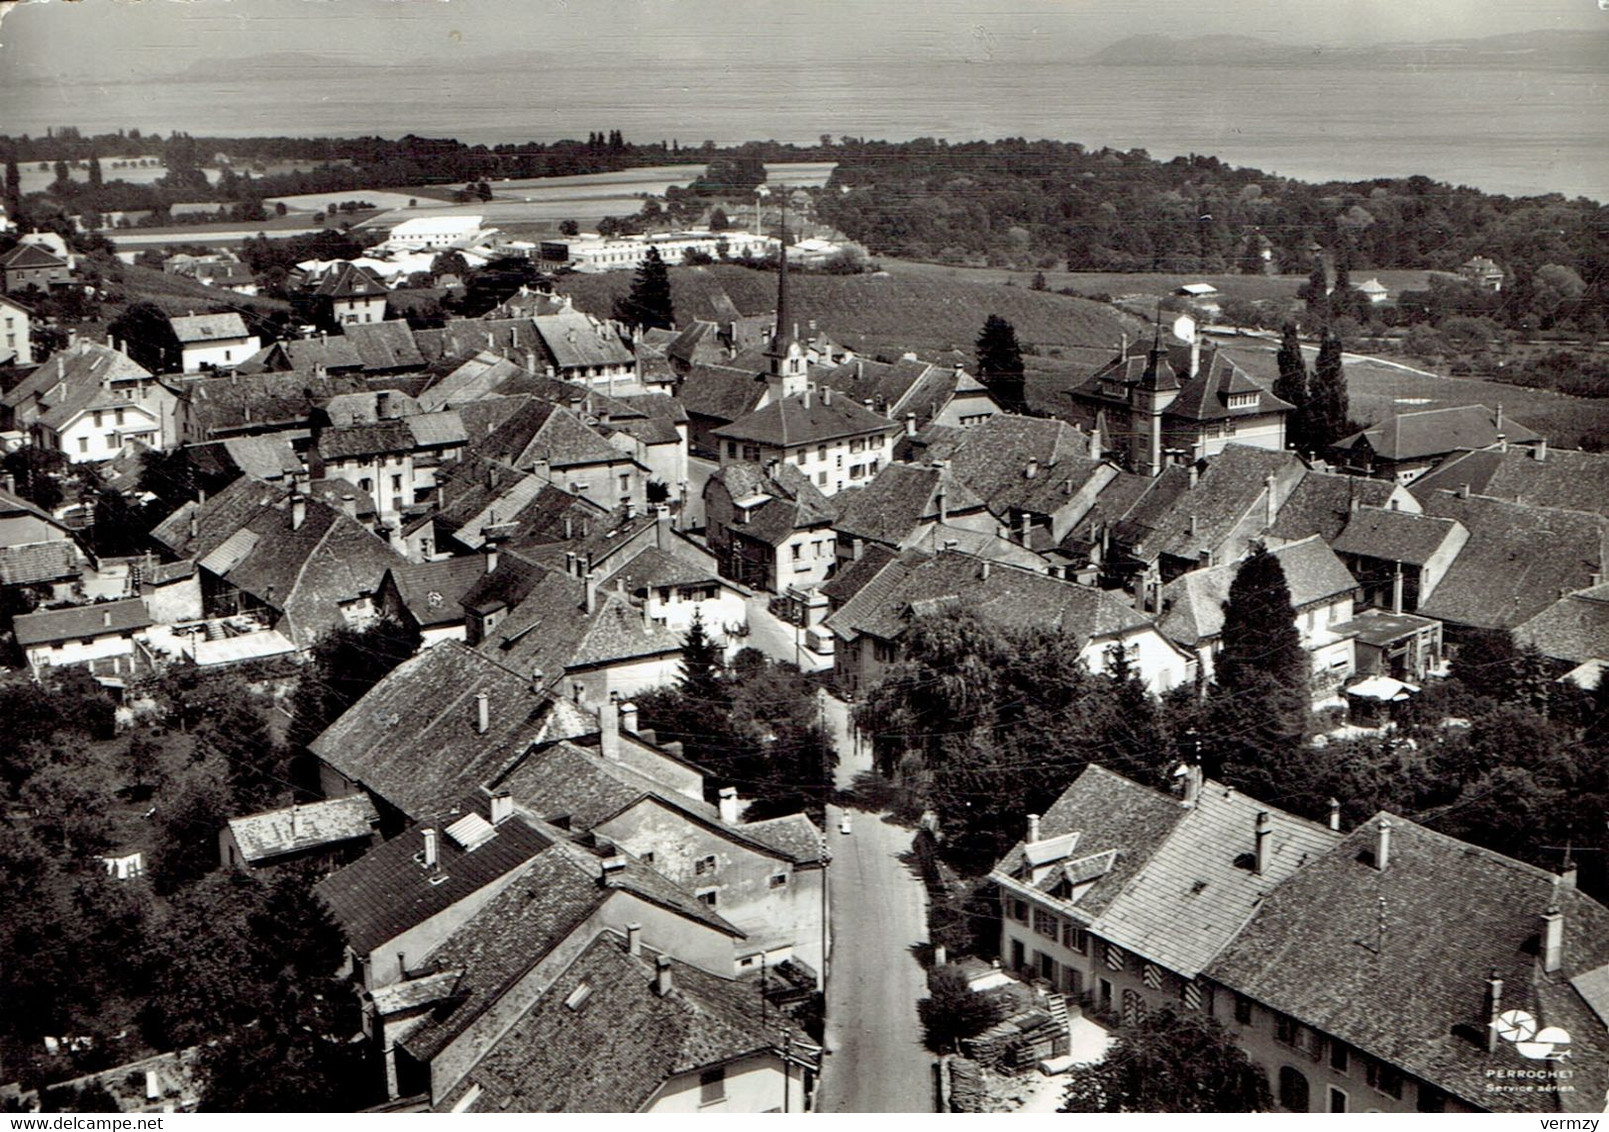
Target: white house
102, 636
16, 349
438, 233
213, 341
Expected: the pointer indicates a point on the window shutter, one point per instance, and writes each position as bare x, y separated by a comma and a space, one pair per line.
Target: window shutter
1153, 976
1192, 995
1114, 957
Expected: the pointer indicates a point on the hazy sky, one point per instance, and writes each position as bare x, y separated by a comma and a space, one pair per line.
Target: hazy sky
115, 38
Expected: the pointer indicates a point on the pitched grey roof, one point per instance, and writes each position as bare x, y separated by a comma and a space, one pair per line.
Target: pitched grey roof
1435, 432
1394, 961
1573, 629
433, 591
1551, 477
576, 341
81, 622
384, 346
1193, 603
898, 499
1234, 482
1397, 536
208, 327
1322, 503
806, 418
275, 833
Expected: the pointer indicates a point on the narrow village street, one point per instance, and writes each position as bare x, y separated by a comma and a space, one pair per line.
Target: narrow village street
875, 1060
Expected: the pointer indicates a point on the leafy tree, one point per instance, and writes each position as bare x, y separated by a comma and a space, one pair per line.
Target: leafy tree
1330, 411
719, 221
999, 359
569, 228
140, 759
1260, 703
1171, 1061
148, 337
171, 477
95, 171
1292, 386
187, 826
37, 472
450, 262
952, 1011
64, 177
650, 303
344, 664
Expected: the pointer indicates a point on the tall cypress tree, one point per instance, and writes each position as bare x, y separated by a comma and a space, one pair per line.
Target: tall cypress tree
1328, 391
13, 185
1317, 290
650, 303
1000, 364
95, 170
1294, 387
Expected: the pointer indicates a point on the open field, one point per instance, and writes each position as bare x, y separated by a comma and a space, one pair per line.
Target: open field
880, 313
1377, 388
380, 198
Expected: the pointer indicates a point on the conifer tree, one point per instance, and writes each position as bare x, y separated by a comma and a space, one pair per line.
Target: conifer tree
1000, 364
95, 170
1330, 407
1317, 290
701, 667
13, 185
1294, 387
650, 303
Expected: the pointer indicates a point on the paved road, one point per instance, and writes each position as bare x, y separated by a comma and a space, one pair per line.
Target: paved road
879, 912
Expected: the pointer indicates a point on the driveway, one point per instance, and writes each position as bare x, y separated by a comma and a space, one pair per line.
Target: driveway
876, 1062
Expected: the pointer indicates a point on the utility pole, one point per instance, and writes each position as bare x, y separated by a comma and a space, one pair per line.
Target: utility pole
787, 1076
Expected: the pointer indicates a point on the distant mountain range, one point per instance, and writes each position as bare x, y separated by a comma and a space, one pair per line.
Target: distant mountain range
1553, 50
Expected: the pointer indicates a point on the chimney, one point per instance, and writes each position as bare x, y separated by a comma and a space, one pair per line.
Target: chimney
1033, 830
1382, 845
1265, 842
1553, 936
609, 728
591, 602
1498, 422
826, 394
1195, 354
910, 424
1191, 773
662, 526
628, 717
195, 522
1540, 452
499, 806
1273, 505
1335, 814
633, 939
1463, 490
613, 865
944, 503
483, 712
1031, 470
489, 549
1192, 525
430, 848
1195, 474
729, 805
1396, 589
1494, 1007
349, 505
663, 983
106, 618
983, 571
298, 509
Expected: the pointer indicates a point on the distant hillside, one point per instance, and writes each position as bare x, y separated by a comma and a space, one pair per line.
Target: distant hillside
1558, 50
877, 312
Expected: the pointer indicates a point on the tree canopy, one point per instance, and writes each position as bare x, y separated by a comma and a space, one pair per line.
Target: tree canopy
650, 302
1171, 1061
999, 358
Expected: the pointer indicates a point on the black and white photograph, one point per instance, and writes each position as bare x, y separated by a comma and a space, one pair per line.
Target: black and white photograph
856, 556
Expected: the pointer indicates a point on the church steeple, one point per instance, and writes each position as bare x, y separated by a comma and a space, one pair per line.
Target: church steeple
787, 374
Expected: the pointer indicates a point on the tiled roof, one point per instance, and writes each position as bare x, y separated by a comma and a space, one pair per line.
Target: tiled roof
38, 562
471, 379
884, 607
384, 346
1575, 481
615, 1049
576, 341
11, 504
1234, 482
514, 338
262, 401
806, 418
389, 890
81, 622
1322, 503
84, 363
414, 738
365, 440
1517, 562
333, 352
1397, 536
267, 457
1395, 961
275, 833
218, 327
1107, 812
542, 431
432, 591
28, 256
721, 392
895, 388
1193, 603
1203, 397
477, 493
851, 576
993, 459
898, 499
1194, 894
1433, 432
654, 567
1574, 629
346, 280
795, 503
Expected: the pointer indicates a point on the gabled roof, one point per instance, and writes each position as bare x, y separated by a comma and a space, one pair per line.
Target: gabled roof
1543, 477
433, 591
384, 346
793, 503
1322, 504
1395, 961
365, 440
262, 401
1435, 432
542, 432
83, 365
1019, 598
199, 328
1574, 628
1398, 536
39, 562
899, 499
12, 504
1234, 482
556, 1058
1517, 562
333, 352
721, 392
470, 379
275, 833
103, 619
25, 257
389, 890
577, 341
851, 576
510, 337
897, 388
414, 738
347, 280
1107, 813
1203, 397
805, 418
1192, 897
1193, 603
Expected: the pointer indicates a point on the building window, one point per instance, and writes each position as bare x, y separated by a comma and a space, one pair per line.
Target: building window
1431, 1099
798, 551
1045, 924
111, 440
118, 417
706, 897
821, 479
1287, 1030
396, 483
83, 444
779, 880
625, 481
731, 449
821, 451
751, 453
1337, 1100
98, 417
1019, 910
1190, 995
1383, 1079
712, 1086
704, 866
1293, 1094
1340, 1056
1242, 1010
1076, 939
857, 445
857, 471
1047, 968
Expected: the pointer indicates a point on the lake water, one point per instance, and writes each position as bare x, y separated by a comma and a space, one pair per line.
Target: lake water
1510, 131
